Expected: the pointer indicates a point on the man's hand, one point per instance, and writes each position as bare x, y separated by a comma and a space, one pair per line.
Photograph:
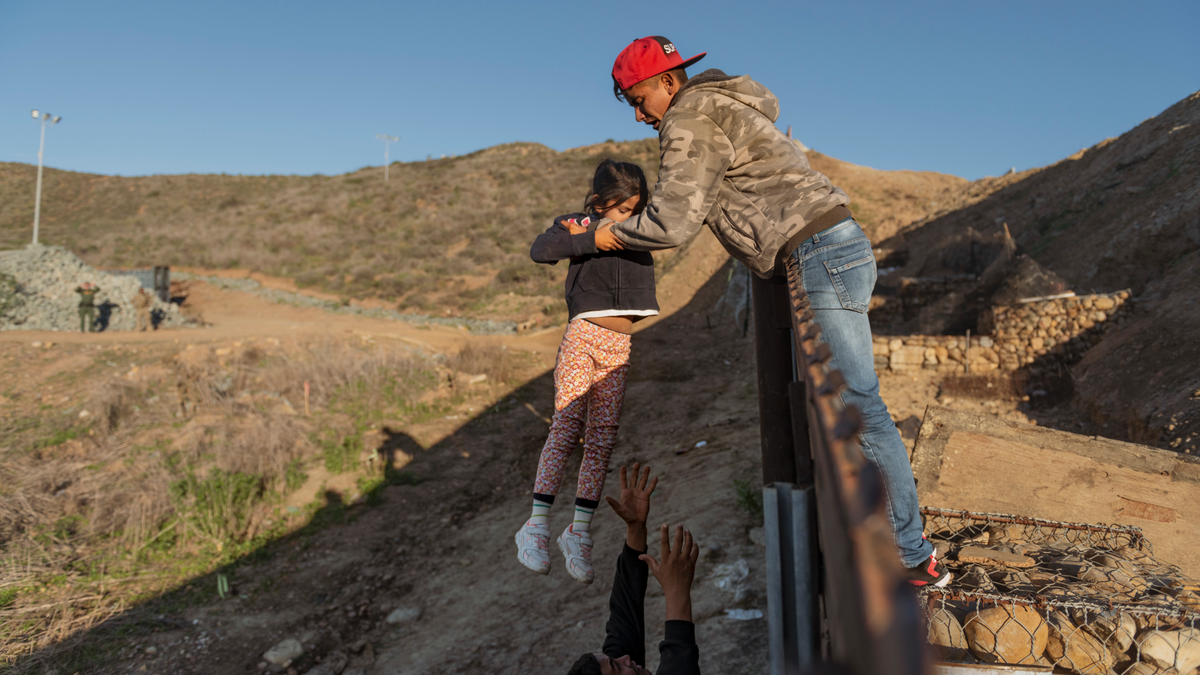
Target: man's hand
606, 240
634, 506
676, 571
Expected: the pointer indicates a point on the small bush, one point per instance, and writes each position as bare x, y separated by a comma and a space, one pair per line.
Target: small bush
339, 455
220, 506
749, 498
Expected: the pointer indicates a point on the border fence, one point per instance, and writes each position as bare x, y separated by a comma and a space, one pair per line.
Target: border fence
1035, 594
837, 598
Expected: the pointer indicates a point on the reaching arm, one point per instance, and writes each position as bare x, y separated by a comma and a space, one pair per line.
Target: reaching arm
557, 243
695, 156
678, 653
626, 627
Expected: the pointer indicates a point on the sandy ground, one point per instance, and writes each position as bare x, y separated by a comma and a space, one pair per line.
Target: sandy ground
443, 548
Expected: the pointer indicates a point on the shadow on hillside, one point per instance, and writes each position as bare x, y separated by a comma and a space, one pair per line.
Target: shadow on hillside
504, 442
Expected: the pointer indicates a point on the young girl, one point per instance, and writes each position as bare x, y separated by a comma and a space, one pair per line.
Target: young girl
606, 293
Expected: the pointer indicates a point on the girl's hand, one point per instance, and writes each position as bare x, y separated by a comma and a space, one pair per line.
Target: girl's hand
577, 228
634, 506
606, 240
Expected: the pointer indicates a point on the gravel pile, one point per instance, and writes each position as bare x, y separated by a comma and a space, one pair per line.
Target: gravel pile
37, 292
473, 326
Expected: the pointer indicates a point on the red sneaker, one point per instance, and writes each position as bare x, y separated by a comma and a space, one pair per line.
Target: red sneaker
930, 572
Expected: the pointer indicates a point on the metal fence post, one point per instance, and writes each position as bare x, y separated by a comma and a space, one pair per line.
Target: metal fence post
773, 349
788, 523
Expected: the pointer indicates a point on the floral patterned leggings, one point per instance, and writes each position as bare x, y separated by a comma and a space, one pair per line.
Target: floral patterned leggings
589, 381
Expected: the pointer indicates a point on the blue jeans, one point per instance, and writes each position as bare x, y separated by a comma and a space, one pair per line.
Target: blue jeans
839, 275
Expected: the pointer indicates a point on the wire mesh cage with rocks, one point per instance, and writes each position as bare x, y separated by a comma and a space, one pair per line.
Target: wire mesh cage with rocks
1077, 597
37, 292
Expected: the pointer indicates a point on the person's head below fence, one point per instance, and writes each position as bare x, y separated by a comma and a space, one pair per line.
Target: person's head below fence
647, 74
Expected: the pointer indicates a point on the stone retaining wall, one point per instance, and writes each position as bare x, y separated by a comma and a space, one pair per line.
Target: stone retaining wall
1061, 329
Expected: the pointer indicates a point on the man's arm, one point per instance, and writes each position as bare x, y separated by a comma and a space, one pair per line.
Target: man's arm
695, 155
678, 653
626, 627
558, 243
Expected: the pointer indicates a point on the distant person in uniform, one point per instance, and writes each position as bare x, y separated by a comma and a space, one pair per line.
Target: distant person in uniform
87, 305
141, 303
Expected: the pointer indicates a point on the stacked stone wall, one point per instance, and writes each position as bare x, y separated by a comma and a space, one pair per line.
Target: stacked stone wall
1060, 329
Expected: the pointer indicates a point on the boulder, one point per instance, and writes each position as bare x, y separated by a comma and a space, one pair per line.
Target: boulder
1178, 649
1070, 646
946, 635
1117, 631
1011, 634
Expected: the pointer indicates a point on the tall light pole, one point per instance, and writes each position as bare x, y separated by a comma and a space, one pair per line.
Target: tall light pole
386, 140
37, 200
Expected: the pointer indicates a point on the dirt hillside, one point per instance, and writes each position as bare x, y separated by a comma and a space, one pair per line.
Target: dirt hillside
1124, 213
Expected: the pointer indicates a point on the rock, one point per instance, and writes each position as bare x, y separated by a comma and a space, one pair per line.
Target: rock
907, 357
1011, 634
987, 556
333, 664
985, 342
404, 614
1073, 648
283, 652
1104, 303
1116, 631
151, 651
1178, 649
895, 344
946, 635
45, 297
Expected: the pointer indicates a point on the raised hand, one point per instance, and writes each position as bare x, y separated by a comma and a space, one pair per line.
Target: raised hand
634, 506
675, 571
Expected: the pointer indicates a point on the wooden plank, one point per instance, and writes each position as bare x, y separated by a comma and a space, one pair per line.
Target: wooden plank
978, 463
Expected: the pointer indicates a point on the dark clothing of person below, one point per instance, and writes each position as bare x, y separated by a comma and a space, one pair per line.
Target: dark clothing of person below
597, 280
626, 627
87, 318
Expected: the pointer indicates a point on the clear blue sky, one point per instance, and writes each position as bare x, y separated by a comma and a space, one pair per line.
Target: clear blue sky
966, 88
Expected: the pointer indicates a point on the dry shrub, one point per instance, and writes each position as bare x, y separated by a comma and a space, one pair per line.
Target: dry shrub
490, 360
112, 401
255, 443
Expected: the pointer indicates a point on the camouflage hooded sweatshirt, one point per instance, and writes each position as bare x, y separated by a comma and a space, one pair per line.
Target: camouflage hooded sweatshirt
726, 165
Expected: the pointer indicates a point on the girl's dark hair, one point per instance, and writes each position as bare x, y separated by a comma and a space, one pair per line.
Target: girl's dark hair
615, 182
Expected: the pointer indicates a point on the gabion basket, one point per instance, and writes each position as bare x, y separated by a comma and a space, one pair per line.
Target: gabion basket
1077, 597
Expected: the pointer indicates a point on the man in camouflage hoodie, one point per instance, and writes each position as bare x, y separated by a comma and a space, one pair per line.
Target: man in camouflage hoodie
726, 165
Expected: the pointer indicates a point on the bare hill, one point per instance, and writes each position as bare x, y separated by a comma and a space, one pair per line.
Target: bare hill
450, 235
1124, 213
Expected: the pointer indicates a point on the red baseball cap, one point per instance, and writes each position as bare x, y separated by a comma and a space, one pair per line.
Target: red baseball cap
646, 58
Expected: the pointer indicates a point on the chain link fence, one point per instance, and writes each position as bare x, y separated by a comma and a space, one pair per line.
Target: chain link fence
1081, 598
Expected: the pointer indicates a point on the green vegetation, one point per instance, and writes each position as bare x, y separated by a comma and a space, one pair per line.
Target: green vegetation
749, 498
219, 506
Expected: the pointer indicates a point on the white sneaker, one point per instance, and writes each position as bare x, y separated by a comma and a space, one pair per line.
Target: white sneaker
533, 547
577, 548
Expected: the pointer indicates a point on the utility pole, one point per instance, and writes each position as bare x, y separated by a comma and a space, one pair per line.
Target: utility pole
37, 200
386, 140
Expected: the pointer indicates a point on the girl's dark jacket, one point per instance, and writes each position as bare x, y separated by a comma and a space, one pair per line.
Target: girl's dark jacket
597, 280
